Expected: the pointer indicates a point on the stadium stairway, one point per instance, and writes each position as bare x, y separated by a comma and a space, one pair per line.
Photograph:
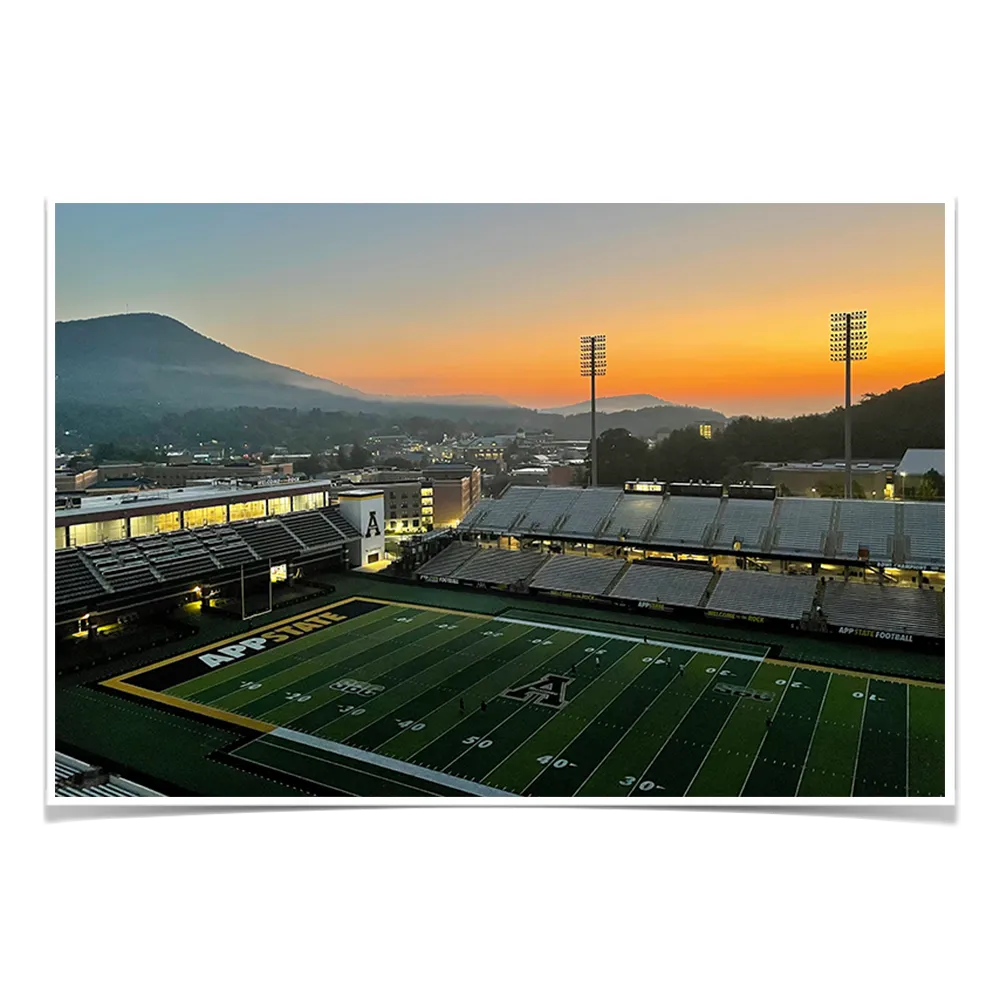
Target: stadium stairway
712, 584
609, 589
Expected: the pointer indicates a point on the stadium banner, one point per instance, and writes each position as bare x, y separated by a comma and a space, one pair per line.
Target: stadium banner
870, 633
239, 648
573, 596
735, 616
656, 606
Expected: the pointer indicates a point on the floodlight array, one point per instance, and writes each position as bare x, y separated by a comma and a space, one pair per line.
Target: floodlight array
859, 335
593, 356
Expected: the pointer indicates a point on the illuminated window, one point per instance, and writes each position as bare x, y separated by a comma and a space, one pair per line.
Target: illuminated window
308, 501
96, 531
61, 541
279, 505
246, 511
279, 573
204, 515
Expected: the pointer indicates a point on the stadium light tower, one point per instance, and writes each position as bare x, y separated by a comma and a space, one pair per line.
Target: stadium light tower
848, 342
593, 362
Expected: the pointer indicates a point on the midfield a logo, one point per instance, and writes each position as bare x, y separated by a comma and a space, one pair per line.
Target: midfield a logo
549, 691
372, 525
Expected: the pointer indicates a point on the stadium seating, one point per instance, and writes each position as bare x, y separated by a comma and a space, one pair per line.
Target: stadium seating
766, 594
590, 509
895, 609
122, 565
867, 523
747, 520
312, 529
225, 545
445, 563
501, 566
801, 526
578, 574
74, 579
176, 555
685, 520
923, 527
68, 770
549, 507
632, 516
338, 521
477, 514
503, 512
267, 538
673, 585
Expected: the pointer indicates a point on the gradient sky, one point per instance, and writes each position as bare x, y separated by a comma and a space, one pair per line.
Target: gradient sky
716, 305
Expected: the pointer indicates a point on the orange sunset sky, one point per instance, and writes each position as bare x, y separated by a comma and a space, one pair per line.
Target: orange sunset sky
725, 306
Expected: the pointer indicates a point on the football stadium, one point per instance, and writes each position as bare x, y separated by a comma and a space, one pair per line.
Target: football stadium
683, 640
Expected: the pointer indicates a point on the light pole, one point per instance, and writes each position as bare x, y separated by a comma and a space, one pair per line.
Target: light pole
593, 362
848, 342
902, 486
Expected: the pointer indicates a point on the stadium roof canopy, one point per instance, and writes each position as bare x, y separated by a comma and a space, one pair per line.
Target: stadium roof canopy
920, 461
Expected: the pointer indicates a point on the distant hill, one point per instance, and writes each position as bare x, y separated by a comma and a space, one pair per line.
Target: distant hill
152, 361
610, 404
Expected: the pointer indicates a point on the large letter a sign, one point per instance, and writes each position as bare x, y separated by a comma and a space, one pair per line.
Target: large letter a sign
372, 525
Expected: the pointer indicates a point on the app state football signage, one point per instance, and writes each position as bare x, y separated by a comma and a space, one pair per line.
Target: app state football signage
372, 525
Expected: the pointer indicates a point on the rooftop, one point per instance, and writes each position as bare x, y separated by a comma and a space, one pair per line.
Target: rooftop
130, 504
920, 461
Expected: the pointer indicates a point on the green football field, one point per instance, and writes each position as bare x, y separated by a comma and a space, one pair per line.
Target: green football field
382, 699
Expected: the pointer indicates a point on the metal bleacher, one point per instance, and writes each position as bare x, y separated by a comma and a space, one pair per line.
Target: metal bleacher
549, 507
445, 563
226, 546
895, 609
501, 566
176, 555
504, 511
801, 526
477, 514
767, 594
313, 529
74, 579
87, 572
923, 529
591, 508
266, 537
863, 523
746, 520
578, 574
632, 515
673, 585
122, 565
685, 520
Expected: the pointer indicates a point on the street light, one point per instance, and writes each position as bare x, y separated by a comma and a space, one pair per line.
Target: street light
848, 342
593, 362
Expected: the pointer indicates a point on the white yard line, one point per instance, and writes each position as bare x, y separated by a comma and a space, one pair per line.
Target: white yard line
680, 722
763, 739
640, 641
463, 718
389, 763
374, 699
906, 784
531, 735
630, 728
292, 774
819, 714
861, 732
400, 708
316, 655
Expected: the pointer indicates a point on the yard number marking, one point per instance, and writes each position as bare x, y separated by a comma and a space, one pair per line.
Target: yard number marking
644, 786
560, 763
482, 743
